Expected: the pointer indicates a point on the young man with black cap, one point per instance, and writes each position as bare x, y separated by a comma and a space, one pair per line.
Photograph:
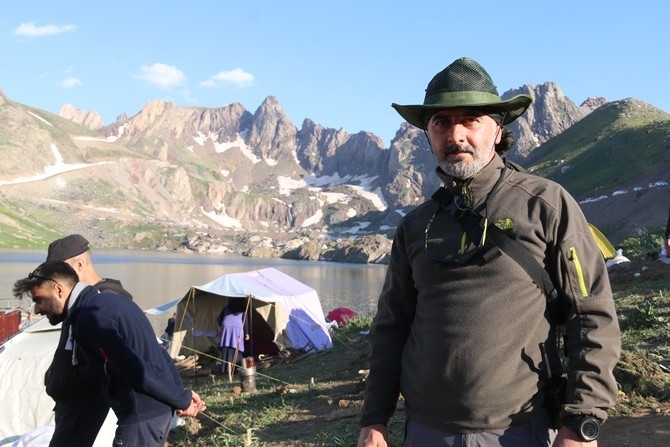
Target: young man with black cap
74, 249
463, 327
111, 334
80, 408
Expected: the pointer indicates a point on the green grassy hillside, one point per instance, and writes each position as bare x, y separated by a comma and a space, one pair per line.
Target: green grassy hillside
617, 145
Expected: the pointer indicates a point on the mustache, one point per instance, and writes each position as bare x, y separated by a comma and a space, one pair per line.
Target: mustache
453, 148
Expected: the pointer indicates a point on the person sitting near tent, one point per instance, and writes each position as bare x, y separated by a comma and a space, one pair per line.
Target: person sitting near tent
233, 332
169, 330
141, 382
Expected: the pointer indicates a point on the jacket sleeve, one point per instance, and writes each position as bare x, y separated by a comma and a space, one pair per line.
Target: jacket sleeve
140, 364
592, 338
65, 381
389, 332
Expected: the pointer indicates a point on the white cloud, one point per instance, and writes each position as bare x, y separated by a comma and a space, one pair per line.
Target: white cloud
236, 77
162, 75
70, 82
32, 30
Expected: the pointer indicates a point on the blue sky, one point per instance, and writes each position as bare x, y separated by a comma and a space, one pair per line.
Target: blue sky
340, 63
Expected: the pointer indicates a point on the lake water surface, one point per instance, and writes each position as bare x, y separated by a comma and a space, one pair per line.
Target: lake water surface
155, 278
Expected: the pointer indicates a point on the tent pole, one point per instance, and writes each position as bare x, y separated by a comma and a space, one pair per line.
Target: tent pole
195, 366
231, 368
251, 325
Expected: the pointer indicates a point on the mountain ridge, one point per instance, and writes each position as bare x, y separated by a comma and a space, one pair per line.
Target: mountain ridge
226, 179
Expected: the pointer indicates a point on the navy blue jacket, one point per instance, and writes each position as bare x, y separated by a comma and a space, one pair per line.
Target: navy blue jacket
141, 381
78, 387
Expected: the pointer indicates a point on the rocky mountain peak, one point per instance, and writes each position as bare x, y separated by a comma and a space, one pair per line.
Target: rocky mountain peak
593, 102
154, 108
272, 133
550, 113
91, 120
166, 121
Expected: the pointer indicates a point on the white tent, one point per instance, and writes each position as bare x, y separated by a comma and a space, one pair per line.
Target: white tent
285, 313
24, 359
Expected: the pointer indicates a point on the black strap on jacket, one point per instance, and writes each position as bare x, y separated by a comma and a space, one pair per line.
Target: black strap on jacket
471, 221
473, 224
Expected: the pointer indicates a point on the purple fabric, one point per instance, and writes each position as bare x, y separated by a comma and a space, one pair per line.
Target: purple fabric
232, 330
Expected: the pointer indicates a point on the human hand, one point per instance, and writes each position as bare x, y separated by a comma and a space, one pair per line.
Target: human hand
568, 438
197, 405
373, 436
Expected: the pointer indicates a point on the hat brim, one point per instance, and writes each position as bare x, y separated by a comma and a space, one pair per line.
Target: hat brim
512, 108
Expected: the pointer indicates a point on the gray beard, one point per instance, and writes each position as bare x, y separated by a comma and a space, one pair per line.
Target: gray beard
462, 170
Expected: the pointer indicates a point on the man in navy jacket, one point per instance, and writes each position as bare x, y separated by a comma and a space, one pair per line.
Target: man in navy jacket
80, 409
141, 383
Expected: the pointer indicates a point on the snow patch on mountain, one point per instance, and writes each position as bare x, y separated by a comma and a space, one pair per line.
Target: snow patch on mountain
58, 167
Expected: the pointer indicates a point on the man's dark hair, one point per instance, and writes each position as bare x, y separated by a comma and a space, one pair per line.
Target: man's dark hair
57, 271
506, 141
237, 305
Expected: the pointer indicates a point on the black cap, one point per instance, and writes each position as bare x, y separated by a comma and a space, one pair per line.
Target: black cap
67, 247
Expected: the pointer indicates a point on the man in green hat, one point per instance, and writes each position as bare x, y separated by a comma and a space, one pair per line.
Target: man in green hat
480, 278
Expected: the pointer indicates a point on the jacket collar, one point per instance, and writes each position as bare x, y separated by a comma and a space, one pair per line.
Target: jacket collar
480, 185
77, 296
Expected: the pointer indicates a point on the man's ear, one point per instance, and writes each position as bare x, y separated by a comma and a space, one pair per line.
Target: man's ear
77, 264
60, 290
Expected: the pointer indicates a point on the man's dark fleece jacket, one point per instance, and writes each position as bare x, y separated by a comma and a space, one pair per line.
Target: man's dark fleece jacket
141, 380
461, 343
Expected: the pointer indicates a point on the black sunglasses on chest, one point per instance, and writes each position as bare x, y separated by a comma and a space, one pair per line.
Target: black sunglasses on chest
475, 228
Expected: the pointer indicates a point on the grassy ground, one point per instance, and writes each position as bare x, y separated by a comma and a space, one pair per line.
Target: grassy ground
642, 295
315, 400
299, 401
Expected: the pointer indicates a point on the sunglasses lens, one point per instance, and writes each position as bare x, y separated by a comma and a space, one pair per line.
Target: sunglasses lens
32, 275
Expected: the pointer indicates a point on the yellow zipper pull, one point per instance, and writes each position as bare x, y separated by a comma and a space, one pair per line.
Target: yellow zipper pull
580, 273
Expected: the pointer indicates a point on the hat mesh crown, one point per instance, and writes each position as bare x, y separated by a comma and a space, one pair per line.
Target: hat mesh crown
464, 83
463, 75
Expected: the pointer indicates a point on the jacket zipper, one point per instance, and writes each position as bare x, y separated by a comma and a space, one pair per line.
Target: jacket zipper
580, 273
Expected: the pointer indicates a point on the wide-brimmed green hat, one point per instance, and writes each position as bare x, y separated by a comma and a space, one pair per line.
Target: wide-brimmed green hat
464, 83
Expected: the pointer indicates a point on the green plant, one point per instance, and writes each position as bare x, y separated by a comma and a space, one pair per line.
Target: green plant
644, 242
644, 316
